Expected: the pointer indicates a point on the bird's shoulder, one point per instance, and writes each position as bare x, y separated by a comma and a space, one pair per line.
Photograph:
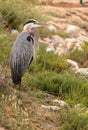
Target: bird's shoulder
23, 37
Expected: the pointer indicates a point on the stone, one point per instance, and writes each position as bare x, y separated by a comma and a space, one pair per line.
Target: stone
56, 40
46, 40
82, 39
72, 44
82, 72
49, 49
74, 64
14, 32
77, 106
60, 51
61, 103
51, 27
73, 30
54, 108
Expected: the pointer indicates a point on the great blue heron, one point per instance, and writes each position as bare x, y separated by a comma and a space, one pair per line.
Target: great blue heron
23, 50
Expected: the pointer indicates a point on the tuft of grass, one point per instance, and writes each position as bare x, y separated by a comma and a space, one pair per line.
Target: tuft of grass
48, 61
45, 32
52, 74
80, 56
5, 47
66, 86
14, 13
74, 120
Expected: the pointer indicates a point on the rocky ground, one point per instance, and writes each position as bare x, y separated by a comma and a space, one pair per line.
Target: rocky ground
38, 110
71, 21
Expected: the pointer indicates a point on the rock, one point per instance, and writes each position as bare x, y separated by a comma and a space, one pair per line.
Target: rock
46, 40
61, 103
82, 39
48, 96
57, 41
83, 33
62, 46
60, 51
82, 72
49, 49
77, 106
74, 40
77, 46
14, 32
72, 44
73, 63
54, 108
73, 30
51, 27
76, 31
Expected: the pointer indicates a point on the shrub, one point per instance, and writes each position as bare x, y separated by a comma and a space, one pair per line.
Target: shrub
5, 47
66, 86
78, 56
74, 121
51, 73
48, 61
14, 13
45, 32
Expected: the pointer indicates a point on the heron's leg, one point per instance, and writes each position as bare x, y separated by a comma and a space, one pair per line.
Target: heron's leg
19, 87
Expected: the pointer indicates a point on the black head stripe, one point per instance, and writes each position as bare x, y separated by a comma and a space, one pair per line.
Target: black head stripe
30, 21
29, 38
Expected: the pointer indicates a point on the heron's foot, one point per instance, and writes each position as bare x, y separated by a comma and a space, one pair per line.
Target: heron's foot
18, 87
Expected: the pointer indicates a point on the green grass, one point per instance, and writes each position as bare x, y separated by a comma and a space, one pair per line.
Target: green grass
66, 86
81, 56
45, 32
14, 13
48, 61
5, 47
52, 74
47, 74
74, 120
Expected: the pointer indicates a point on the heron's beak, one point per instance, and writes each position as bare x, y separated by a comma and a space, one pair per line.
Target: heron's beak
39, 24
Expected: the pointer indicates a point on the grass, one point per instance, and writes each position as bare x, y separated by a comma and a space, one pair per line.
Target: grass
66, 86
14, 13
5, 47
74, 121
80, 56
48, 61
45, 32
48, 75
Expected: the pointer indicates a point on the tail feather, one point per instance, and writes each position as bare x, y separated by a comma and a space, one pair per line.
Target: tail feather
16, 78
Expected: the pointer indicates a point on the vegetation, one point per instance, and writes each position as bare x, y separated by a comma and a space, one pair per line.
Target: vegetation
80, 55
48, 75
74, 121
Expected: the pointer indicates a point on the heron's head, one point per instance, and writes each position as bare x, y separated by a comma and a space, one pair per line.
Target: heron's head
32, 24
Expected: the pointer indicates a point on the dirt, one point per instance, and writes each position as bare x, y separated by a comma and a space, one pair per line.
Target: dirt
61, 15
22, 110
66, 5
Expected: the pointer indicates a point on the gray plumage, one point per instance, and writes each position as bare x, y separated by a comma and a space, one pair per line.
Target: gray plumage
21, 56
24, 50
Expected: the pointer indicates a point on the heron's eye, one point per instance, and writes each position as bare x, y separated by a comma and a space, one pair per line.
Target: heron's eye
29, 38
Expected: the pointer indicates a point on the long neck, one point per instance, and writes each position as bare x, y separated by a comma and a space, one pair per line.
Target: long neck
35, 35
26, 28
